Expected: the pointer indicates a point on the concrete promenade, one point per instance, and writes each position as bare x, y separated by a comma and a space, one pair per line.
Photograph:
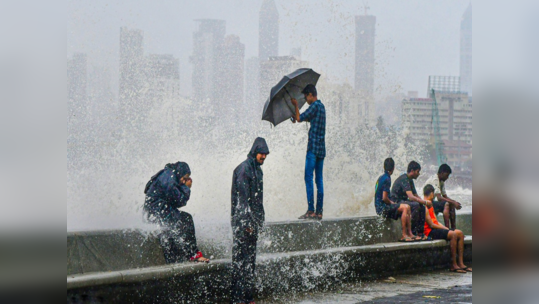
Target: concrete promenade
436, 286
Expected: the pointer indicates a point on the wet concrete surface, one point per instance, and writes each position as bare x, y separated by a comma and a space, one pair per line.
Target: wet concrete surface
426, 287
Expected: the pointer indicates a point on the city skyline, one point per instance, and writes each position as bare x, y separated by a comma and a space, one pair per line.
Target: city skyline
154, 43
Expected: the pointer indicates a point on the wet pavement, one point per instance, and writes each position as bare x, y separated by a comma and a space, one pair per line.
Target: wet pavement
427, 287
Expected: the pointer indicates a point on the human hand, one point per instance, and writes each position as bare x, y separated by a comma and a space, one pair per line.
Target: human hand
189, 183
294, 102
458, 206
428, 204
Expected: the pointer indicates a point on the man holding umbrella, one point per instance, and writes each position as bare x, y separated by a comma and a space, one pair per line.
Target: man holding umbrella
316, 150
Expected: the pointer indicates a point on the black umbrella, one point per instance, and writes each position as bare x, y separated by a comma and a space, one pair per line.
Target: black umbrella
278, 107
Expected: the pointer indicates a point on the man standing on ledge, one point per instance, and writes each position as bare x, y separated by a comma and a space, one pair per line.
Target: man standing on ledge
316, 150
247, 220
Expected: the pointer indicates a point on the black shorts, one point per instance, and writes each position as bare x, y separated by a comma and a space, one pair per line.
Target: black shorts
439, 234
392, 212
438, 207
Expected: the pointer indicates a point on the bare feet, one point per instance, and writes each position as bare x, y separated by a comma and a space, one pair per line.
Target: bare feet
456, 268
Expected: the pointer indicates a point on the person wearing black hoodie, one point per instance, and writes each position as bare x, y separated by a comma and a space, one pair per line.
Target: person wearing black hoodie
247, 219
167, 191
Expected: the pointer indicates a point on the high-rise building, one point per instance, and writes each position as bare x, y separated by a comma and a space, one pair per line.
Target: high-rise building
364, 76
207, 48
233, 62
100, 92
162, 78
466, 51
77, 86
455, 118
268, 45
342, 103
131, 71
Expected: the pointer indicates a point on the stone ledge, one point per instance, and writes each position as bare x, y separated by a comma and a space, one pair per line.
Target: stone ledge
187, 269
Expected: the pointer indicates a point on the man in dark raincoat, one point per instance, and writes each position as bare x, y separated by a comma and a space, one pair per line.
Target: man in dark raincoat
247, 220
167, 191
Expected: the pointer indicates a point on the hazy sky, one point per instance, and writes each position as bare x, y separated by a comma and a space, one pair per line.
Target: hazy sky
415, 38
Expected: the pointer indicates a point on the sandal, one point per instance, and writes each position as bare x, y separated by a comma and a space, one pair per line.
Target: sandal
458, 270
407, 240
318, 216
310, 215
467, 269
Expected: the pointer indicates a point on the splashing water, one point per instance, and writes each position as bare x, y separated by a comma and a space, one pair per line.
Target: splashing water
106, 178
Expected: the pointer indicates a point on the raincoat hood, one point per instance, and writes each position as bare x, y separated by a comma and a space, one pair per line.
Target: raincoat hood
259, 146
180, 169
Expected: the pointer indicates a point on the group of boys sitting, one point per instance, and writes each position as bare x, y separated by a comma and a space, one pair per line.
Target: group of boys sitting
418, 215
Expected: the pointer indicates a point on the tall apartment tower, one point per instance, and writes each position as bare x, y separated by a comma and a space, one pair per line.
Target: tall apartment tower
162, 73
131, 70
268, 45
207, 48
466, 51
233, 64
364, 76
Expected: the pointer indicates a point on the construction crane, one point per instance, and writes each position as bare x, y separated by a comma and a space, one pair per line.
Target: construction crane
438, 143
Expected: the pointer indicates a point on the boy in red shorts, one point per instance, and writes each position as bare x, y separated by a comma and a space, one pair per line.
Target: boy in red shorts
436, 231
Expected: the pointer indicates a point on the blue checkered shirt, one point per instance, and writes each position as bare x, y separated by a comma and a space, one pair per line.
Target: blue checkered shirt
316, 115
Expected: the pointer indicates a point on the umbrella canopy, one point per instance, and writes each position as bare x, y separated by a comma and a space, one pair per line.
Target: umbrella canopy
278, 107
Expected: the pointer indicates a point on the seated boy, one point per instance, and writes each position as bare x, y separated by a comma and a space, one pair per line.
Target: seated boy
390, 210
436, 231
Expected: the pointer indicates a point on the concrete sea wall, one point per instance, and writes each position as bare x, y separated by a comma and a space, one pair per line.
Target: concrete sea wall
128, 266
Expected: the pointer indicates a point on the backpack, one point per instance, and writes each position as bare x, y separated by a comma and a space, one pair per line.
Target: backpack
151, 181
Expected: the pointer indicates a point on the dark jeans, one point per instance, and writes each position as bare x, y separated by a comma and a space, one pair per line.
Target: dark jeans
418, 217
177, 237
243, 267
316, 165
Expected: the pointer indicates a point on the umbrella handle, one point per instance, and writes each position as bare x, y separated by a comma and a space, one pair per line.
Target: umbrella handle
293, 109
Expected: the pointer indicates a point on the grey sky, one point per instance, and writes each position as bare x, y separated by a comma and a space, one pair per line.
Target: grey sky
415, 38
